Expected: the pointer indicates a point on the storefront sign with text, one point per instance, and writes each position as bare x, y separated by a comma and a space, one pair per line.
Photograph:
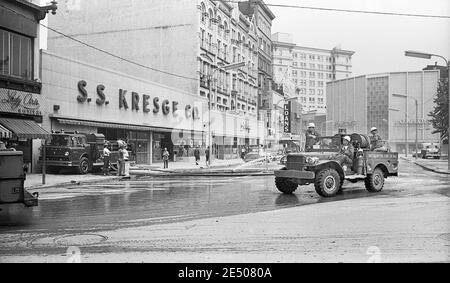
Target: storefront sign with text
129, 100
287, 117
13, 101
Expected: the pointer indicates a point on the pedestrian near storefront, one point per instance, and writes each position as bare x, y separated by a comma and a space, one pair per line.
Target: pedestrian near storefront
197, 155
207, 156
165, 156
121, 161
106, 159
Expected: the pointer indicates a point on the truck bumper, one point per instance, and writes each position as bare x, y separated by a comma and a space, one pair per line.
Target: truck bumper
295, 174
62, 163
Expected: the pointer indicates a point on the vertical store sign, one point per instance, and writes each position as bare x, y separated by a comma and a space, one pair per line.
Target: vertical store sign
287, 118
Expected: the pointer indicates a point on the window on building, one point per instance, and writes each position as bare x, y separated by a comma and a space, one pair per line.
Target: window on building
15, 55
312, 92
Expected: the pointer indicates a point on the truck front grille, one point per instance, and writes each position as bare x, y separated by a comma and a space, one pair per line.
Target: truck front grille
295, 162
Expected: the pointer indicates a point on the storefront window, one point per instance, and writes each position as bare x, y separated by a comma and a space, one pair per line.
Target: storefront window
15, 55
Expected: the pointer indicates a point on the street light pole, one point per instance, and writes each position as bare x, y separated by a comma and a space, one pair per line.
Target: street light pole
424, 55
406, 122
210, 78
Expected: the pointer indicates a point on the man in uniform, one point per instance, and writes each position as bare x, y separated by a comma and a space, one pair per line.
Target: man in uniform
374, 138
346, 154
312, 136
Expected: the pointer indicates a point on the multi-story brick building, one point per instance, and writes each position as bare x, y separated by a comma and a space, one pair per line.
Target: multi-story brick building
304, 71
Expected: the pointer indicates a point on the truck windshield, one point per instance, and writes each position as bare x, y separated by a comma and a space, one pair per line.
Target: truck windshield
60, 140
327, 143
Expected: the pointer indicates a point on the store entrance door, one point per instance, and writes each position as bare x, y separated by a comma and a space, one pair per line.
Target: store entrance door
142, 152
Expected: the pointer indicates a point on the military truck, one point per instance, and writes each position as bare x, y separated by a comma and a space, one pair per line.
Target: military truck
317, 166
79, 151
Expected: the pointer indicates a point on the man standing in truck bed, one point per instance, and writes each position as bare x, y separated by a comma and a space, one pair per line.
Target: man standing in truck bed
312, 136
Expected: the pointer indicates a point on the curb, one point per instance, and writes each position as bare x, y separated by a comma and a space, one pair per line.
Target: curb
67, 184
201, 174
426, 167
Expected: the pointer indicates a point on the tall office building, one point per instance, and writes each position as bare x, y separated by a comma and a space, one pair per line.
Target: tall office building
304, 71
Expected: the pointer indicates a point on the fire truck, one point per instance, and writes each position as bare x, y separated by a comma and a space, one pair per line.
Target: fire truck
79, 151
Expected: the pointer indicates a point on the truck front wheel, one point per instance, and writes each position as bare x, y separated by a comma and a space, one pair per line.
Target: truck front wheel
84, 166
327, 183
375, 182
285, 186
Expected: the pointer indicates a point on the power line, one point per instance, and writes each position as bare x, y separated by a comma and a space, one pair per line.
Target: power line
345, 10
102, 50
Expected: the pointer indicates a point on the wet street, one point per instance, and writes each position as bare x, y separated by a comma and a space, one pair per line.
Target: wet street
100, 218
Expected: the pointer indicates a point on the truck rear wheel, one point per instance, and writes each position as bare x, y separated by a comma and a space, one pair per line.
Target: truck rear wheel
375, 182
327, 183
83, 168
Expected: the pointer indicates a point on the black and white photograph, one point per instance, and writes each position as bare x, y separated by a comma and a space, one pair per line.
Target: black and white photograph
251, 132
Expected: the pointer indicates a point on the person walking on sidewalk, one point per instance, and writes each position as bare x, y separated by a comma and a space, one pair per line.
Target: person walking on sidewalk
207, 156
106, 159
121, 169
197, 155
165, 156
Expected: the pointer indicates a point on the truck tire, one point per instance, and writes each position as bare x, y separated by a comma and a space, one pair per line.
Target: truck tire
327, 183
285, 186
375, 182
83, 168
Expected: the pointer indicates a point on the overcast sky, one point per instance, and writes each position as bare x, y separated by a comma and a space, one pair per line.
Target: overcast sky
378, 40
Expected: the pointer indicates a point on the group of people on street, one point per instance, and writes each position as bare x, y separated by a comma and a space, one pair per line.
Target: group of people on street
197, 155
166, 155
347, 151
121, 161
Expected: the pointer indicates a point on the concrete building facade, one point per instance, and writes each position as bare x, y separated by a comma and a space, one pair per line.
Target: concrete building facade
182, 51
385, 101
304, 71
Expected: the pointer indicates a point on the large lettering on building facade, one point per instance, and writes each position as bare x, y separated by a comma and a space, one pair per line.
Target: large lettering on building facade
134, 101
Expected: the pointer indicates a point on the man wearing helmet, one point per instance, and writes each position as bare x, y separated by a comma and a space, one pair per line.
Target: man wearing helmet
312, 136
345, 155
374, 138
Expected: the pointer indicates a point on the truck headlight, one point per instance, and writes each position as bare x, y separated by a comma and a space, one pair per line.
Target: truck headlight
312, 160
66, 154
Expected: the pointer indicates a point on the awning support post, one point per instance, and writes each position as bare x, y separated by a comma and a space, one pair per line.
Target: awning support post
44, 161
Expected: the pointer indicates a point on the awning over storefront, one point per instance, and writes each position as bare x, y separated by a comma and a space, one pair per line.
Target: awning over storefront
113, 125
24, 129
5, 133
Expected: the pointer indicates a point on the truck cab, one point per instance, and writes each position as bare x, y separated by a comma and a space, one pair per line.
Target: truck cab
317, 166
74, 150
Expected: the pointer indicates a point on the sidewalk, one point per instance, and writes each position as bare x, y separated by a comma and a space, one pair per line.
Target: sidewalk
434, 165
188, 163
34, 181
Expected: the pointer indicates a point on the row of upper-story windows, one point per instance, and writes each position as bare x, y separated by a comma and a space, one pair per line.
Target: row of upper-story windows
16, 55
264, 25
